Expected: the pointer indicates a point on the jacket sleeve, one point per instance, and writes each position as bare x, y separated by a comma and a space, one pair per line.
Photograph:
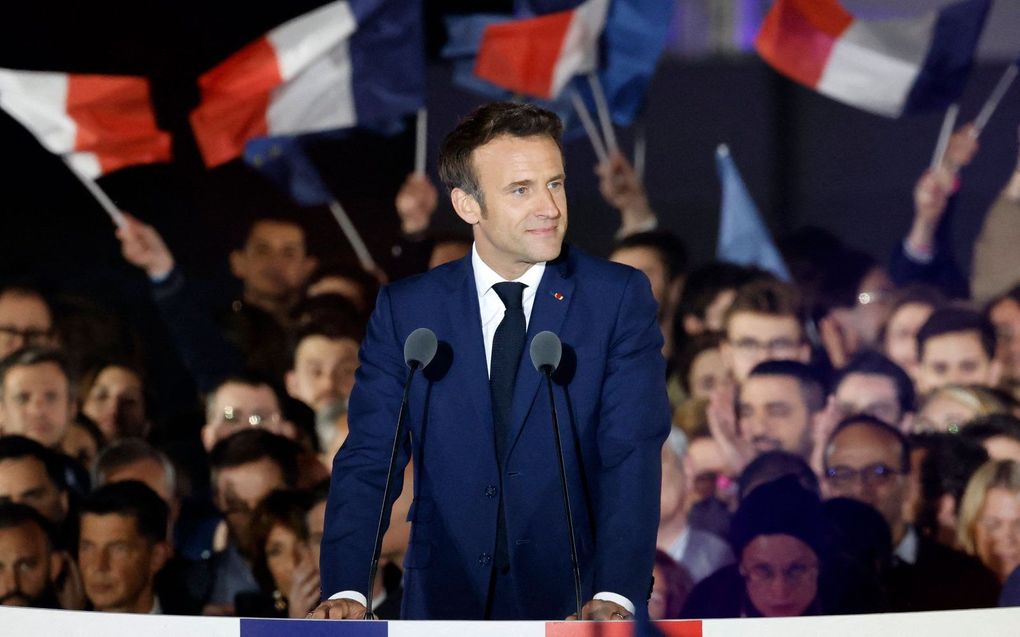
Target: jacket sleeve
634, 421
940, 270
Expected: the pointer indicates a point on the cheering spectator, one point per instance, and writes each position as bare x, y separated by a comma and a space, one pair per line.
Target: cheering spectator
989, 525
36, 400
956, 346
874, 385
25, 320
29, 561
950, 408
912, 307
113, 397
763, 323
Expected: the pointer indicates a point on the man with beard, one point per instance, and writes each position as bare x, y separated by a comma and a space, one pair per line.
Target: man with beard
29, 564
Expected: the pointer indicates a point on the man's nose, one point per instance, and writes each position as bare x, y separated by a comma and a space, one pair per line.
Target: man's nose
8, 581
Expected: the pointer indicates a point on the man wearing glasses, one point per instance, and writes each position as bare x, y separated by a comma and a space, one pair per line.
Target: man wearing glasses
763, 323
239, 403
25, 319
868, 460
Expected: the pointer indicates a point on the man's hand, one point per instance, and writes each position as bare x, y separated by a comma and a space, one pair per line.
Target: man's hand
722, 423
415, 202
142, 247
622, 189
598, 610
963, 145
339, 609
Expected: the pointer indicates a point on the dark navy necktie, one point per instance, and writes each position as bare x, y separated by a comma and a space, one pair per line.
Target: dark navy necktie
507, 347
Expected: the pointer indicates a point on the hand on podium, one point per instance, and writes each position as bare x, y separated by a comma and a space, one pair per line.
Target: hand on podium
602, 611
339, 609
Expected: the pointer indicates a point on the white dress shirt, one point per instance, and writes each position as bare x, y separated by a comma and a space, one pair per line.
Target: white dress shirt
491, 310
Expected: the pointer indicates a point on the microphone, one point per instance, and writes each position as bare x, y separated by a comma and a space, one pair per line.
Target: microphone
419, 349
546, 351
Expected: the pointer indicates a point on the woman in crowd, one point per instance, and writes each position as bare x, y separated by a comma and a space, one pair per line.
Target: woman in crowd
989, 525
113, 397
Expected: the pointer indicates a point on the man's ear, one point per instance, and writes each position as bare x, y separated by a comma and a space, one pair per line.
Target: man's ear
57, 559
309, 267
466, 206
994, 373
237, 264
291, 383
160, 555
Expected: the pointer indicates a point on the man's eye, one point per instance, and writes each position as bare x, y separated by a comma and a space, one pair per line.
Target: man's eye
555, 185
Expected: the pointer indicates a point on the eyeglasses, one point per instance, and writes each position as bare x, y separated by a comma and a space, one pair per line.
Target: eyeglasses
9, 333
777, 347
793, 574
873, 474
236, 416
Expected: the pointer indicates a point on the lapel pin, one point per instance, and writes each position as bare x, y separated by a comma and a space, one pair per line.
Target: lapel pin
557, 296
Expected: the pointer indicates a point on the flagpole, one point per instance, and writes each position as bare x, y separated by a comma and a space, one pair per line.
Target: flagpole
640, 150
947, 130
104, 200
589, 126
421, 137
353, 237
994, 98
602, 108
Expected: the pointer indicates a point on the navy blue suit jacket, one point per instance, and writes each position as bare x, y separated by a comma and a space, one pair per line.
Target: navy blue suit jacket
614, 416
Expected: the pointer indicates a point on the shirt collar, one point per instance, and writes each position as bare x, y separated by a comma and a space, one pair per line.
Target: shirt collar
486, 277
907, 549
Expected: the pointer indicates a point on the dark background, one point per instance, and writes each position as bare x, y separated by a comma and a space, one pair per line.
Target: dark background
806, 159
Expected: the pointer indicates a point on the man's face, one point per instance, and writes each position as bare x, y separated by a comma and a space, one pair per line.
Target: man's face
864, 463
117, 563
522, 217
901, 334
1005, 316
316, 520
28, 566
753, 338
956, 358
781, 575
323, 371
772, 415
240, 489
36, 403
24, 320
25, 481
871, 394
237, 406
273, 263
650, 264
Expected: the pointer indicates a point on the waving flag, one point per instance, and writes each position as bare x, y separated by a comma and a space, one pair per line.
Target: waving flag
98, 123
345, 64
743, 237
888, 67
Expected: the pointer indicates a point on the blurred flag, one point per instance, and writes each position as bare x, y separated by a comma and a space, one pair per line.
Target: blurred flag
345, 64
538, 56
743, 237
97, 123
285, 162
887, 67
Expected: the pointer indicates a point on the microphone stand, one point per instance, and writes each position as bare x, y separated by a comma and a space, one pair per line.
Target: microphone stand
369, 613
547, 372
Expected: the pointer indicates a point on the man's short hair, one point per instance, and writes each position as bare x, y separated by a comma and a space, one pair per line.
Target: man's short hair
483, 125
874, 363
706, 282
992, 426
35, 355
771, 297
670, 249
133, 499
811, 383
252, 445
128, 451
953, 320
19, 447
248, 379
773, 465
324, 322
242, 238
875, 423
14, 514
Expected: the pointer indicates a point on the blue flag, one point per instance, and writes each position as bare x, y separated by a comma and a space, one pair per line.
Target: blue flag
285, 162
743, 237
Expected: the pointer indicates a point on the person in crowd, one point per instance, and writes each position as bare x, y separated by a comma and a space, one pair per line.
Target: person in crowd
950, 408
989, 523
25, 319
909, 310
135, 459
33, 475
700, 367
860, 557
773, 465
872, 384
36, 397
956, 346
241, 402
30, 562
999, 434
123, 546
1004, 313
868, 460
778, 535
670, 588
942, 464
707, 294
282, 560
995, 263
698, 552
83, 441
712, 489
763, 323
113, 397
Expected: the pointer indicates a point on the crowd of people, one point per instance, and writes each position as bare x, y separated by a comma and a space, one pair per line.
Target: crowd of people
845, 442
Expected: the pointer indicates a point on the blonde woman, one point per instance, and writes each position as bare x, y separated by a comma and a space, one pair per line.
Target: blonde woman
949, 408
989, 523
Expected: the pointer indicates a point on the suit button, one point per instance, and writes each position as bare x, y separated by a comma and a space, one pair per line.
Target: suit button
485, 559
490, 491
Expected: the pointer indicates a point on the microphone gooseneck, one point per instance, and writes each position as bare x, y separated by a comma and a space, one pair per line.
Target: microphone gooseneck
419, 349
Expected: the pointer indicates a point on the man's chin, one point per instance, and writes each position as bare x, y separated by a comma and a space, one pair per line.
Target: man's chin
16, 600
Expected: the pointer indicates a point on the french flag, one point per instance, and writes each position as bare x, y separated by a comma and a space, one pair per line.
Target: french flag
98, 123
539, 56
887, 67
345, 64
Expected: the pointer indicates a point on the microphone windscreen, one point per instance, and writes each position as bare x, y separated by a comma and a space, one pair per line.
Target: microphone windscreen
420, 347
546, 350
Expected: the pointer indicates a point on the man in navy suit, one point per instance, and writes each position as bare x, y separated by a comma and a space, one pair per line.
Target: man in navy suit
489, 537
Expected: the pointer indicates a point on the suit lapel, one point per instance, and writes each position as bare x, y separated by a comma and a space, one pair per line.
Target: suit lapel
555, 292
465, 337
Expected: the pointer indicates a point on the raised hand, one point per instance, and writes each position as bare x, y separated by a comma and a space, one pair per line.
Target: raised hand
415, 202
143, 247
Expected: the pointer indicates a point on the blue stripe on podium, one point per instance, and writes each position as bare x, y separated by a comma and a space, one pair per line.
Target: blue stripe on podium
312, 628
